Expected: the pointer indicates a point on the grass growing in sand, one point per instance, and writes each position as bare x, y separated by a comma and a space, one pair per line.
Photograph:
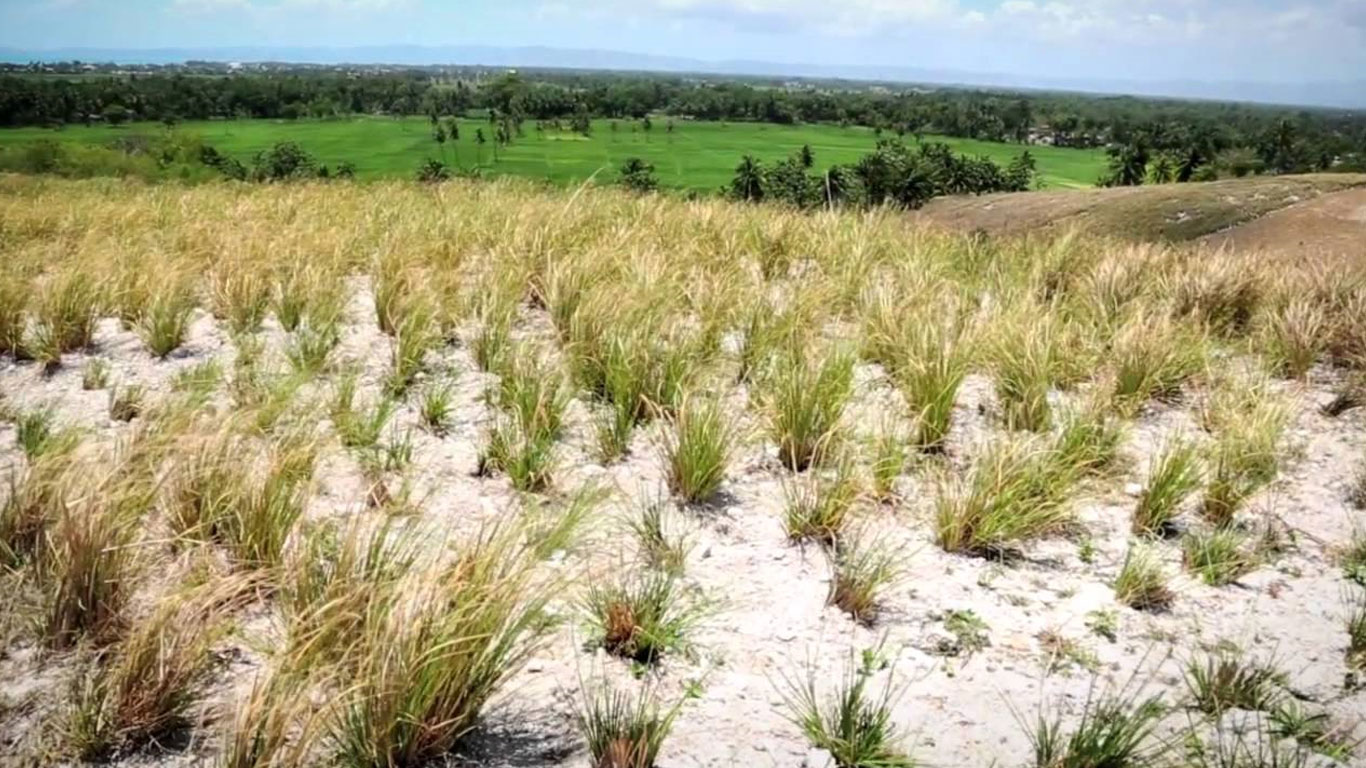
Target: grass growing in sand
373, 411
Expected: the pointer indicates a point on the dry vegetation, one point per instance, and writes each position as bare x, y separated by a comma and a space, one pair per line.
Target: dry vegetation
374, 476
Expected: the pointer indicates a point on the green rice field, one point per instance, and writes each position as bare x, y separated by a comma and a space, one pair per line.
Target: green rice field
694, 156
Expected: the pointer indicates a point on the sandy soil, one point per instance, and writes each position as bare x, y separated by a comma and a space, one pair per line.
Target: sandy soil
767, 597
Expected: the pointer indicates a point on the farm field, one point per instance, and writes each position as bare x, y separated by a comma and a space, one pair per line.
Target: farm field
698, 155
404, 474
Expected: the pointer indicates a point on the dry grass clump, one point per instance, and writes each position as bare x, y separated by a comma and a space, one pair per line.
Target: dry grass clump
239, 294
1114, 730
247, 500
1219, 557
860, 570
165, 320
141, 690
1224, 680
820, 505
1293, 335
65, 308
1221, 291
521, 441
1016, 490
35, 498
423, 667
1154, 357
661, 545
88, 561
1024, 349
1249, 423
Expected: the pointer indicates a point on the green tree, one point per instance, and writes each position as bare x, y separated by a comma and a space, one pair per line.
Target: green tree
807, 157
638, 176
748, 183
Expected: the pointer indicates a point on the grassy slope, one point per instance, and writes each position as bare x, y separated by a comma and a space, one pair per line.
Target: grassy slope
1166, 213
699, 155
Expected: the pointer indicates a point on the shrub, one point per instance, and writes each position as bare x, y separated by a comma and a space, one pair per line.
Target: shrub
637, 175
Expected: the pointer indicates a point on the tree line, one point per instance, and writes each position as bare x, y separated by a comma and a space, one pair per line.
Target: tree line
1165, 133
892, 174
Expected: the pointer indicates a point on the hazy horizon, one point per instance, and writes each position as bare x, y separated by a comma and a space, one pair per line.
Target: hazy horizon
1145, 43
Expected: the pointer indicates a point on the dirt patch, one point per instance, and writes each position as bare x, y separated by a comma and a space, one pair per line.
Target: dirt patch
1332, 226
1164, 213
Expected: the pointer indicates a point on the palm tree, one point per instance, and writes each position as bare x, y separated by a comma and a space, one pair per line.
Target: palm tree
748, 183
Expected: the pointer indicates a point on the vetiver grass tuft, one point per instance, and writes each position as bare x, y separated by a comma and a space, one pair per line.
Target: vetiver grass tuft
696, 449
805, 399
1173, 475
818, 506
642, 616
1114, 730
1016, 490
850, 721
424, 668
1142, 582
624, 731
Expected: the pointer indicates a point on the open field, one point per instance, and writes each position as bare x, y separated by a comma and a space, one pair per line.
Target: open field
399, 474
697, 155
1168, 213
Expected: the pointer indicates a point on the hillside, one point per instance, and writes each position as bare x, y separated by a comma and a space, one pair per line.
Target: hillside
403, 474
1164, 213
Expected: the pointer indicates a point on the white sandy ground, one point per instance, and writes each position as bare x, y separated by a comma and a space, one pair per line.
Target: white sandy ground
767, 597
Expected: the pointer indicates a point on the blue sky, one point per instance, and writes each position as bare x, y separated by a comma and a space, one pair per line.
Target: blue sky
1260, 40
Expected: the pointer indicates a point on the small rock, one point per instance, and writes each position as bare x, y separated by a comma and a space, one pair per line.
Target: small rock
818, 758
535, 665
786, 635
1133, 489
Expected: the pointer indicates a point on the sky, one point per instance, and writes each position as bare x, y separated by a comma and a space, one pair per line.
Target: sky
1281, 41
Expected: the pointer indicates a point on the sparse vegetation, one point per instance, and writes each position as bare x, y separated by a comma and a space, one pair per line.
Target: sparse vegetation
642, 615
326, 534
1142, 583
851, 722
622, 731
1227, 680
1173, 475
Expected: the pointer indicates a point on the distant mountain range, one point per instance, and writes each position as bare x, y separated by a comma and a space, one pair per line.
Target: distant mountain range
1345, 93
